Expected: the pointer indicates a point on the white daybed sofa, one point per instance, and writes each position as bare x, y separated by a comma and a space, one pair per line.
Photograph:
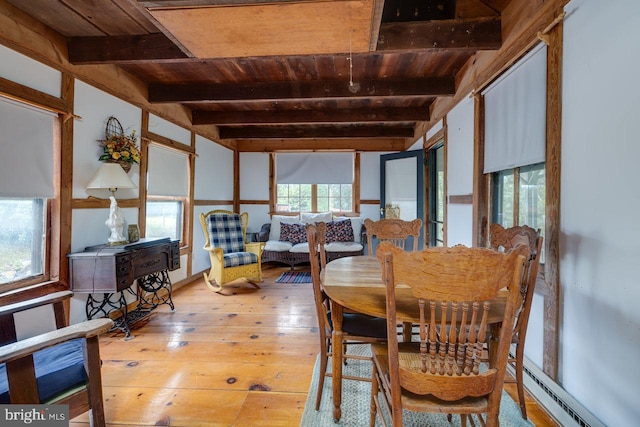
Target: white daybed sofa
291, 247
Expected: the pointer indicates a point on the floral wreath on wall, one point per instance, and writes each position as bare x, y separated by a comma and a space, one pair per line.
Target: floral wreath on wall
118, 147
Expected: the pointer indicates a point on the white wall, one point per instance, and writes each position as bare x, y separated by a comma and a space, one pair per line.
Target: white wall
214, 171
165, 128
370, 183
21, 69
95, 107
460, 172
599, 269
254, 185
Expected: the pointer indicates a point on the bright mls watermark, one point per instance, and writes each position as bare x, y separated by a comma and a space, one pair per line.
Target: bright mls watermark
34, 415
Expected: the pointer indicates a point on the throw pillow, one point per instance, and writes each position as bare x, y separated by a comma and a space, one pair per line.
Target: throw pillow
356, 223
276, 220
293, 233
339, 231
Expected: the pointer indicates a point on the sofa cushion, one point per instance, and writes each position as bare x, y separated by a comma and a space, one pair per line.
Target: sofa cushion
276, 220
225, 232
58, 368
356, 223
313, 218
300, 248
294, 233
339, 231
343, 247
277, 246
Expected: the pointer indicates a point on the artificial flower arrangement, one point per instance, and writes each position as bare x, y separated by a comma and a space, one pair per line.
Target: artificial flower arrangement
120, 148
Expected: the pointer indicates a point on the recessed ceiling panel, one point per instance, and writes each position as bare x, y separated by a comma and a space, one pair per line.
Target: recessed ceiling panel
271, 29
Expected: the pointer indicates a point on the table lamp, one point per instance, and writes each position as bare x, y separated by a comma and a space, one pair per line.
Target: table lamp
111, 176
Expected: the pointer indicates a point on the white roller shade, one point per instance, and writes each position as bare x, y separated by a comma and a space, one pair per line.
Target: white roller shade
26, 138
515, 114
314, 168
168, 172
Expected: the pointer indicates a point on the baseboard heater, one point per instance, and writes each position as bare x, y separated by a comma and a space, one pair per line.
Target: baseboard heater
565, 409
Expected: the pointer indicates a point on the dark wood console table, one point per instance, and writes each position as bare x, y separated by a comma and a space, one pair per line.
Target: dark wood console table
111, 270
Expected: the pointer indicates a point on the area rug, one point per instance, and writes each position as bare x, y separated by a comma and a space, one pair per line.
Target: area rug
295, 277
357, 394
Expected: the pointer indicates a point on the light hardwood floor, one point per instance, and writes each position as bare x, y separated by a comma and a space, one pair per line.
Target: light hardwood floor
237, 360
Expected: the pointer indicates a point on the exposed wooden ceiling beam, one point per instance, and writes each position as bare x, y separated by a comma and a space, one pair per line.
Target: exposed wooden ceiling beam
306, 132
158, 4
355, 144
310, 116
473, 34
478, 33
423, 86
123, 49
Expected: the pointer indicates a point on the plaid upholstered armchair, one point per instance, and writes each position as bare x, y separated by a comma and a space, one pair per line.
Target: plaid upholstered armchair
231, 258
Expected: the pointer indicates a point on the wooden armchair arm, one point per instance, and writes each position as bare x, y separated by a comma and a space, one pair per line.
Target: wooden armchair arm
215, 252
52, 298
255, 247
28, 346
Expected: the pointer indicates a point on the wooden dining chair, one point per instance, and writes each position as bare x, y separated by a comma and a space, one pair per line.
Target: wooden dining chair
441, 373
396, 231
507, 239
357, 328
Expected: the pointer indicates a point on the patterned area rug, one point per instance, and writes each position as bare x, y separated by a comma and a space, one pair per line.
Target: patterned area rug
295, 277
356, 397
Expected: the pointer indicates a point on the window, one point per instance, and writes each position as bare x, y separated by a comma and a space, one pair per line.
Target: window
164, 218
22, 239
167, 190
523, 204
314, 198
31, 135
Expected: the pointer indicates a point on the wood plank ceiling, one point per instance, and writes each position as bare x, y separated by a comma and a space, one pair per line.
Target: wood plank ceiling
286, 74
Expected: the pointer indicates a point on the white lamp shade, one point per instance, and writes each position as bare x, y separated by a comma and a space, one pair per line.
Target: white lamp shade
110, 175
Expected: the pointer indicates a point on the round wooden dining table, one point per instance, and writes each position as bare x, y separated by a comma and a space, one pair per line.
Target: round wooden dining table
355, 284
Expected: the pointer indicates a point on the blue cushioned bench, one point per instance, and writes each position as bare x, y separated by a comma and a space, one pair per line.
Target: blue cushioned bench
57, 367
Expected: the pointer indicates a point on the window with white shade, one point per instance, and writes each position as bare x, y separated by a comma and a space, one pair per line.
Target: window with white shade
167, 192
515, 114
515, 141
26, 184
314, 182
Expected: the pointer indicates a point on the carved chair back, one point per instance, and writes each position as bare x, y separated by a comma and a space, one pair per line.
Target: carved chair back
395, 231
454, 289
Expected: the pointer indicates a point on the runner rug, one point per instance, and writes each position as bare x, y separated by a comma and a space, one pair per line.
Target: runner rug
295, 277
357, 394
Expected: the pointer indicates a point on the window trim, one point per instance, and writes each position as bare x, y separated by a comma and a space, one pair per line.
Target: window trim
314, 199
47, 260
182, 200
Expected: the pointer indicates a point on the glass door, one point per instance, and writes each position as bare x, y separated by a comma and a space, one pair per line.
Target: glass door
435, 165
402, 187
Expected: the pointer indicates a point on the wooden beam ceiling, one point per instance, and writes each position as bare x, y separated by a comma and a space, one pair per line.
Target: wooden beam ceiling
300, 90
468, 34
345, 144
310, 116
123, 49
321, 131
476, 34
